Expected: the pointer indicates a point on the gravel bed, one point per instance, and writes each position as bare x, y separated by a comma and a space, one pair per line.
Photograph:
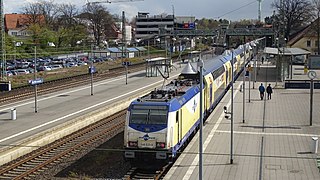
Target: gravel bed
107, 163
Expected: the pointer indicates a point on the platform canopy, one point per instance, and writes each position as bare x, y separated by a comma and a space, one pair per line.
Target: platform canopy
285, 51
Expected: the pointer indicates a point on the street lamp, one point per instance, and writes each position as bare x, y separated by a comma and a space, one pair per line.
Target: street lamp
231, 112
278, 57
200, 65
244, 83
35, 77
35, 80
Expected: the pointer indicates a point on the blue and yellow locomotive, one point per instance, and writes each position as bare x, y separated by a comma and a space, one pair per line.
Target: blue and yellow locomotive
160, 123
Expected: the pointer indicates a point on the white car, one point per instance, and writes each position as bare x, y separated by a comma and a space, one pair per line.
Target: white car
22, 71
56, 66
45, 68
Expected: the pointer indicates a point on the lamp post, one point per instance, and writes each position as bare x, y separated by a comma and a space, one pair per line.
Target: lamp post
278, 57
231, 141
35, 80
244, 84
200, 64
91, 70
35, 77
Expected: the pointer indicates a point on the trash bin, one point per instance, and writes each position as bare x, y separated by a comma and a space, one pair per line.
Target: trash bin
13, 114
314, 145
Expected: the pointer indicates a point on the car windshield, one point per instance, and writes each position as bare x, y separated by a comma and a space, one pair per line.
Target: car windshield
148, 115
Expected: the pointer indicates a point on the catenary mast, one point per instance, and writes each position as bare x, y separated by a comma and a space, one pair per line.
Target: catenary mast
259, 10
2, 43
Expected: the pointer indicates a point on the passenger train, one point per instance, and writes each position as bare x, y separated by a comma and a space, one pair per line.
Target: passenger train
160, 123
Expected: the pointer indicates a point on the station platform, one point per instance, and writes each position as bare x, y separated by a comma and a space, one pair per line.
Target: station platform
67, 111
275, 141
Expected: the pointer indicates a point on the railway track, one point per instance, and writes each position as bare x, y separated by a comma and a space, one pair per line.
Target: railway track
53, 86
150, 173
33, 164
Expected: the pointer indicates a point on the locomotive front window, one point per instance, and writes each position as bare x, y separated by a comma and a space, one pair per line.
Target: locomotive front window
157, 117
148, 115
139, 116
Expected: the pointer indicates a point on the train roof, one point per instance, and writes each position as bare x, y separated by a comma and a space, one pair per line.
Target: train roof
174, 95
212, 65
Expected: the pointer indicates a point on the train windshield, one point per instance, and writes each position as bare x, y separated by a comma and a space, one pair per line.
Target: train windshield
148, 115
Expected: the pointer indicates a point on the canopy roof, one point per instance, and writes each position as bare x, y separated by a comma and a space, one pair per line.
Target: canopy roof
141, 48
114, 50
285, 51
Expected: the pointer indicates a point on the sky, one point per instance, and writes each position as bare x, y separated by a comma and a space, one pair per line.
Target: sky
233, 10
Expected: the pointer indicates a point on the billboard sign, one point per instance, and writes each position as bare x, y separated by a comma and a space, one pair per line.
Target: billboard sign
314, 62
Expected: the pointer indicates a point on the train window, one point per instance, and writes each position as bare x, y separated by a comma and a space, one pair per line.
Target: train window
153, 115
218, 72
157, 117
139, 116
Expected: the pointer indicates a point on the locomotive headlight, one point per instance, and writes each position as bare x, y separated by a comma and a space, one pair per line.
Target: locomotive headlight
133, 144
161, 145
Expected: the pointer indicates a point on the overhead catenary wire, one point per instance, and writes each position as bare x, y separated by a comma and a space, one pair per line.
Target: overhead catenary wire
232, 11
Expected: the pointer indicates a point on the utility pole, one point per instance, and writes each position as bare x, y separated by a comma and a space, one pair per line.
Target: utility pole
259, 10
2, 42
123, 32
124, 44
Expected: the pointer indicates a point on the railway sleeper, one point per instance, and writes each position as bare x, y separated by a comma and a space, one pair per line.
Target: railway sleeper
26, 166
42, 159
47, 155
15, 172
10, 175
5, 177
31, 163
19, 169
39, 159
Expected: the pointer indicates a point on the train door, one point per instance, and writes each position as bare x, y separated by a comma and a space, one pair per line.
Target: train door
179, 121
227, 77
211, 95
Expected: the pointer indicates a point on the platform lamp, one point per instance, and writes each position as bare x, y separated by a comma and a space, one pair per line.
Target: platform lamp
50, 44
15, 45
200, 67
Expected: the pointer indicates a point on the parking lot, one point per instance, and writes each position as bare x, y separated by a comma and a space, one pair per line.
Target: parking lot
27, 66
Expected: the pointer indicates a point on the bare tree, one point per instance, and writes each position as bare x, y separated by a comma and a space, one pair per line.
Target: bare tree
97, 17
69, 28
33, 14
67, 14
41, 12
292, 15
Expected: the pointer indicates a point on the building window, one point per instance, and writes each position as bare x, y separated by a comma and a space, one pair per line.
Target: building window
308, 43
14, 33
316, 44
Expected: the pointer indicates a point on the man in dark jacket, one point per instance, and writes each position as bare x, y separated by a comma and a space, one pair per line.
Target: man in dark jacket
261, 90
269, 91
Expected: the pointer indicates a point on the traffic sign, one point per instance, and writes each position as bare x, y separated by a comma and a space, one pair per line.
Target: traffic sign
36, 81
312, 74
92, 69
247, 73
127, 63
192, 25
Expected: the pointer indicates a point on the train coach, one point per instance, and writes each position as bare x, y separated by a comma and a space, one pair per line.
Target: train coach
159, 124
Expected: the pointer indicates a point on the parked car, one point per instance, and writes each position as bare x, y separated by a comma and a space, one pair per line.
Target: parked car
22, 65
56, 66
71, 64
80, 63
22, 71
44, 68
8, 73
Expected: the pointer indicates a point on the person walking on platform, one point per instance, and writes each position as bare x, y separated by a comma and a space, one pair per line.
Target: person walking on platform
269, 91
261, 90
